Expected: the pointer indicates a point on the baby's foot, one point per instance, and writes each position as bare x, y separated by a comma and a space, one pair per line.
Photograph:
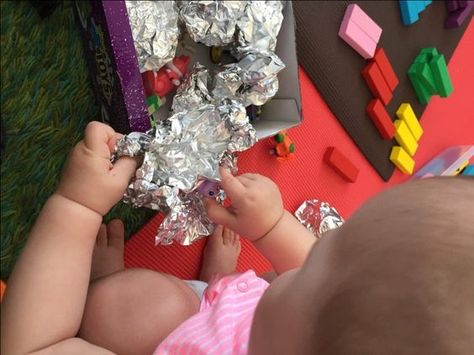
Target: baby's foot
108, 251
220, 254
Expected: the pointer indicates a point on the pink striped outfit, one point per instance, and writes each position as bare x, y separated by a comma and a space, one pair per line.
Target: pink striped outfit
223, 323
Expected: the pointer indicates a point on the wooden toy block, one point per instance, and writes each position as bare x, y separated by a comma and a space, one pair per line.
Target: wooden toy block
456, 18
451, 5
409, 10
376, 82
421, 92
386, 68
406, 114
468, 170
425, 77
430, 51
357, 38
365, 23
377, 112
402, 160
404, 137
341, 164
441, 75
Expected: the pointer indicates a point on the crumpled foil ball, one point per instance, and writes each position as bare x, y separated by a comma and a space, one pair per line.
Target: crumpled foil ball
258, 28
318, 217
155, 32
253, 80
211, 22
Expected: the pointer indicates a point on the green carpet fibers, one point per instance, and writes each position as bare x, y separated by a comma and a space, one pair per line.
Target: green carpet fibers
46, 102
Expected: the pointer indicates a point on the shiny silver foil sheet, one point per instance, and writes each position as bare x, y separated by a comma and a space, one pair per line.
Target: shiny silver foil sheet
155, 32
183, 152
318, 217
211, 22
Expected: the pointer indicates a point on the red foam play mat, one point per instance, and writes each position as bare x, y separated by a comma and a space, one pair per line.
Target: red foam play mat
446, 122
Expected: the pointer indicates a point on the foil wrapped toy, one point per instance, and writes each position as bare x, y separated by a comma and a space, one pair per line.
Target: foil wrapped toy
211, 22
318, 217
183, 152
155, 32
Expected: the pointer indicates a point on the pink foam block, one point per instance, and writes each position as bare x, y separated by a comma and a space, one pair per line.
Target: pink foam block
357, 39
366, 24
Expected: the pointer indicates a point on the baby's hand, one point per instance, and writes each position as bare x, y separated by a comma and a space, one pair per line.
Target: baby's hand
256, 205
89, 178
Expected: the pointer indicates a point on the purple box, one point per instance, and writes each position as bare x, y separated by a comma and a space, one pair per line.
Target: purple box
117, 81
113, 64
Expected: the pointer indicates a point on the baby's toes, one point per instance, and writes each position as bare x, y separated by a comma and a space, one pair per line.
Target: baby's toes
116, 233
102, 236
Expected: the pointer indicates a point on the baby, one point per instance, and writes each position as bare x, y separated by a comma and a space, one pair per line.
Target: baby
397, 277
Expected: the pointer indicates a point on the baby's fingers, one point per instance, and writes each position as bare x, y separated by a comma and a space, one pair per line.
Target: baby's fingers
123, 170
232, 186
97, 137
220, 215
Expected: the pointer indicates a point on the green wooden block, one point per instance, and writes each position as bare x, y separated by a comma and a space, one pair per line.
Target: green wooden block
425, 77
441, 76
420, 90
422, 58
431, 52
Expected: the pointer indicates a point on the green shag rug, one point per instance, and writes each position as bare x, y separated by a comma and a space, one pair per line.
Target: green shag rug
46, 102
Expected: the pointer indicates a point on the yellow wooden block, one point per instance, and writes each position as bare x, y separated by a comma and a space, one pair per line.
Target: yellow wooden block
402, 160
405, 113
404, 137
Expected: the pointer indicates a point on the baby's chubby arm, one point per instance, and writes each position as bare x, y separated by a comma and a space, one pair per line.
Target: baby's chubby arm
47, 290
257, 212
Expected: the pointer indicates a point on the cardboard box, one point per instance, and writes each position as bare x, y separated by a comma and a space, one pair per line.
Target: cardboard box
117, 81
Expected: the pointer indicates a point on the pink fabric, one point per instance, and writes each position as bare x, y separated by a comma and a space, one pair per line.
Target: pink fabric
223, 323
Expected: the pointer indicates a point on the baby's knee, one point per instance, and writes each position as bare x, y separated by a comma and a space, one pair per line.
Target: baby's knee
132, 311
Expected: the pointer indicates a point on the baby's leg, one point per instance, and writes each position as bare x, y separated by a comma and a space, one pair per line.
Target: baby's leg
131, 311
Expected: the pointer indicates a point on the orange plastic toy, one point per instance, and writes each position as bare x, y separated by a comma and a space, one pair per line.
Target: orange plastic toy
285, 148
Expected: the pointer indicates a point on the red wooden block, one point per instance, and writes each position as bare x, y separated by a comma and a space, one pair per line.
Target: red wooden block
376, 82
341, 164
377, 112
386, 68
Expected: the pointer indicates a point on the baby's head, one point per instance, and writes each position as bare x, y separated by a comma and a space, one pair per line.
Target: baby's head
397, 277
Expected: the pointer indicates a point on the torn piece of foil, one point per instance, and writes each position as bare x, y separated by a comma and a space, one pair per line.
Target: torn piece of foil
258, 28
181, 152
155, 32
211, 22
253, 80
318, 217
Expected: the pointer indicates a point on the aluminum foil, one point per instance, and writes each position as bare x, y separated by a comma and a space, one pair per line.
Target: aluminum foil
258, 28
182, 152
155, 32
193, 91
253, 80
211, 22
318, 217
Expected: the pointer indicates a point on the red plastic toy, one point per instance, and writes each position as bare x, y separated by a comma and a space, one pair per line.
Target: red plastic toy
284, 148
166, 79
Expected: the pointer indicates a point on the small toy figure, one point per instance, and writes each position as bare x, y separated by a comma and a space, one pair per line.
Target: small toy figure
285, 148
165, 80
209, 188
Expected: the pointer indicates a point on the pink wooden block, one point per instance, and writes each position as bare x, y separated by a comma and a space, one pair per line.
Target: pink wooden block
357, 39
365, 23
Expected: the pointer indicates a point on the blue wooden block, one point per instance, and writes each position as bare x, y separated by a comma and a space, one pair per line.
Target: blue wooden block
428, 3
468, 170
409, 11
